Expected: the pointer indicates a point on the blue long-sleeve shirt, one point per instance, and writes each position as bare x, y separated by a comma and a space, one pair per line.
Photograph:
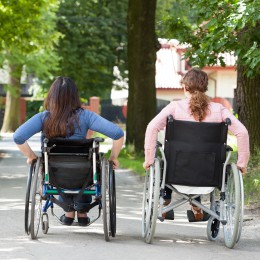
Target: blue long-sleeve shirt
87, 121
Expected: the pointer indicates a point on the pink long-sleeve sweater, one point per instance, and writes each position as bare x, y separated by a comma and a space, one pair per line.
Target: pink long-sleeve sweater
180, 111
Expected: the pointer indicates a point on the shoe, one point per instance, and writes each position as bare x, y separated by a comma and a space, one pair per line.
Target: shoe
83, 221
170, 214
196, 214
66, 220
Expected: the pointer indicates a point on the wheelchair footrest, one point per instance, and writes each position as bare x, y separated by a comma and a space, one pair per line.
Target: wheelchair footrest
169, 215
191, 217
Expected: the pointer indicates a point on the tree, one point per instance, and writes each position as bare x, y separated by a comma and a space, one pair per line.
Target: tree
93, 32
227, 26
142, 44
27, 32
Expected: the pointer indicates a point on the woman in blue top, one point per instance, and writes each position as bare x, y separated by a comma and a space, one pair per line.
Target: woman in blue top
64, 117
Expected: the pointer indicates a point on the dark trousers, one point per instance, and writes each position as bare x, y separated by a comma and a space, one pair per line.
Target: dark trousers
80, 205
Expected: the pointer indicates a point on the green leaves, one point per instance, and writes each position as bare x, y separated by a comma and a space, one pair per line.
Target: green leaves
92, 31
220, 26
27, 33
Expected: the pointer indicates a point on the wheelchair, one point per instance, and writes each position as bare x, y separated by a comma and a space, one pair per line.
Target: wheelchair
69, 166
196, 156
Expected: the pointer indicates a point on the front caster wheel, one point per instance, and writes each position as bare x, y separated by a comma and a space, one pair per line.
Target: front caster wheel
213, 228
45, 223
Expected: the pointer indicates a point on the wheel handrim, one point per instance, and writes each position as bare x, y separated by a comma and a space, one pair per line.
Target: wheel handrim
105, 199
232, 208
36, 209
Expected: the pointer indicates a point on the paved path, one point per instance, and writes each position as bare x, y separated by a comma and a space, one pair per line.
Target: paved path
176, 239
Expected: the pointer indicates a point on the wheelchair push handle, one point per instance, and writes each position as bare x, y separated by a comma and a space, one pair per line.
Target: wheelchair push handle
99, 139
228, 121
158, 144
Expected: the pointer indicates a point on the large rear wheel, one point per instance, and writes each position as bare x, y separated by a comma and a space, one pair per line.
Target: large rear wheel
151, 201
105, 198
241, 217
112, 199
232, 207
36, 209
28, 200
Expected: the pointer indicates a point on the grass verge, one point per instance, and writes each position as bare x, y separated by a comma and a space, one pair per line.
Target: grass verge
133, 161
252, 182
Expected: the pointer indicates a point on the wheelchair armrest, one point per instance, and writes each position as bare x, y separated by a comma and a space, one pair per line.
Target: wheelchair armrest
228, 121
158, 144
99, 139
229, 149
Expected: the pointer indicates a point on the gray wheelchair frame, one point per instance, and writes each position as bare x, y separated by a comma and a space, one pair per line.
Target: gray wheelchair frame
228, 210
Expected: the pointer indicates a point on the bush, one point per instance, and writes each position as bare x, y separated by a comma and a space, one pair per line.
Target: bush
252, 181
33, 107
130, 160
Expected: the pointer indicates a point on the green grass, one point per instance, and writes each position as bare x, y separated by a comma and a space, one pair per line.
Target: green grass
252, 181
133, 161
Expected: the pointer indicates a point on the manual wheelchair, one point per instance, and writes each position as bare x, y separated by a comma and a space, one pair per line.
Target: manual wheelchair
195, 156
69, 166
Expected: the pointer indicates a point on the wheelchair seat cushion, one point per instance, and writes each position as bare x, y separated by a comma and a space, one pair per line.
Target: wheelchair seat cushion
69, 172
193, 190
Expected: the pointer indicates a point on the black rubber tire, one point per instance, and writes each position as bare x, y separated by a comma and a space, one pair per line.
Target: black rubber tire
112, 199
28, 201
36, 195
105, 198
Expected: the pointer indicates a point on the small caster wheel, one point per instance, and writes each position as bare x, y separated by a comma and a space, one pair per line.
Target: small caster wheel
45, 223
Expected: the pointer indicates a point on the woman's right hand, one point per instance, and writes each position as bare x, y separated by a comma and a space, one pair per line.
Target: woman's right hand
243, 170
146, 166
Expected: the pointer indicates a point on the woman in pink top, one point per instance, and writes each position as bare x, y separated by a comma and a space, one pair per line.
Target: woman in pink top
196, 107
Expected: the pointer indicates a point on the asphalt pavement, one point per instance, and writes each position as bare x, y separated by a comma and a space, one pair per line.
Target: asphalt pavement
177, 239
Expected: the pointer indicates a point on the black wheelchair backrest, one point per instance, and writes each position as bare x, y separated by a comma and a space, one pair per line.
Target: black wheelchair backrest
195, 152
70, 162
62, 145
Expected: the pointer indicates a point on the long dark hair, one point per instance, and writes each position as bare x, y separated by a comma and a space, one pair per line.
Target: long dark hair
62, 103
196, 82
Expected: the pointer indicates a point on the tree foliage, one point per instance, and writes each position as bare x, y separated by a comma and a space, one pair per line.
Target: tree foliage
27, 33
220, 26
94, 38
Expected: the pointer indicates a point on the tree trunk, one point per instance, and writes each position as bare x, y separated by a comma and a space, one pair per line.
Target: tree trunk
141, 66
247, 97
12, 103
